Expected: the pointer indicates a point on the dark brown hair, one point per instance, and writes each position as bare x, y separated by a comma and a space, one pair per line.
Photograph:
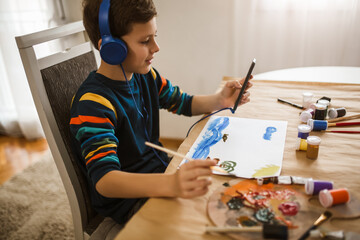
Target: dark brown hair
122, 14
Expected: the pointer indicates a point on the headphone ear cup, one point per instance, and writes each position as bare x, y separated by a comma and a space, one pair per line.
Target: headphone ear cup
112, 50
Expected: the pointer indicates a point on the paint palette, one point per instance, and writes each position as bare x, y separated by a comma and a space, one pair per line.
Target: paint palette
238, 204
244, 203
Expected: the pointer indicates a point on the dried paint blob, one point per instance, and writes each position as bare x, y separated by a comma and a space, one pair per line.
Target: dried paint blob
245, 221
235, 203
226, 184
228, 166
289, 208
225, 137
264, 215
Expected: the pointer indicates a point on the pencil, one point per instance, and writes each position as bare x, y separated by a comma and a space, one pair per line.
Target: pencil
215, 168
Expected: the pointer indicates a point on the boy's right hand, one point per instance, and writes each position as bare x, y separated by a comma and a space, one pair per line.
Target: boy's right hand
187, 183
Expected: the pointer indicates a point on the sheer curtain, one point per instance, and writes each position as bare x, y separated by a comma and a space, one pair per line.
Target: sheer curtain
296, 33
18, 116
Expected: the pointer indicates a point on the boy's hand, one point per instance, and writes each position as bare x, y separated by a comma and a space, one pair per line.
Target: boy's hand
230, 92
187, 183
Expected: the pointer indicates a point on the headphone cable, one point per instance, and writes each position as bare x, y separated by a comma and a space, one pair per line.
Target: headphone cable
231, 109
146, 133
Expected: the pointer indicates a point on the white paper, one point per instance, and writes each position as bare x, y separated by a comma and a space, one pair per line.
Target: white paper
246, 147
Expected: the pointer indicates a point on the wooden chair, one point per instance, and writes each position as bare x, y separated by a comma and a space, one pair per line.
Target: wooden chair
53, 81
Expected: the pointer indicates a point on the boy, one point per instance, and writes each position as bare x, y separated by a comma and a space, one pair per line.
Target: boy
116, 110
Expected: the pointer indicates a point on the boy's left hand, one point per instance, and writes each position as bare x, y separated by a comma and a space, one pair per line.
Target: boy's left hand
231, 90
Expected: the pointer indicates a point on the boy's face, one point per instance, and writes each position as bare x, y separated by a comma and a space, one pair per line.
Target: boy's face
141, 46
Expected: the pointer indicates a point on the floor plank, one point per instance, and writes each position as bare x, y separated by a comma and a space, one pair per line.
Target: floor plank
18, 153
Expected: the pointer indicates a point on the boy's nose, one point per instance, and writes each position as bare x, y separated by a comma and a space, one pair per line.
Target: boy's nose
155, 47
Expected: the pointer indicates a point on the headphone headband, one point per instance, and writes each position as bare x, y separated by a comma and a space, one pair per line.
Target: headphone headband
104, 18
112, 50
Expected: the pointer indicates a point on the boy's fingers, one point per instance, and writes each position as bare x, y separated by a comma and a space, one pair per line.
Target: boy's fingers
196, 192
199, 163
196, 172
200, 183
233, 84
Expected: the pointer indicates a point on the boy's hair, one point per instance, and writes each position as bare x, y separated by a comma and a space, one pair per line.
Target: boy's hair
122, 14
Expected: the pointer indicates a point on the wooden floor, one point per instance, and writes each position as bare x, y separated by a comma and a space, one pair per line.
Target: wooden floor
18, 153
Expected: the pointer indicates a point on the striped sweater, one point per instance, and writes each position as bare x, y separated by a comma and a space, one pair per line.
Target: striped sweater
109, 133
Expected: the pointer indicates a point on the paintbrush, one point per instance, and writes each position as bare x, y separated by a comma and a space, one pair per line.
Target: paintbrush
356, 116
268, 231
343, 124
352, 132
323, 217
215, 168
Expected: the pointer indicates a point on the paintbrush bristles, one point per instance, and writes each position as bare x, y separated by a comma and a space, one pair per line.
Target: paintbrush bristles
323, 217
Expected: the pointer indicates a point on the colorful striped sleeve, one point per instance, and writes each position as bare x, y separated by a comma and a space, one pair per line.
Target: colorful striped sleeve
172, 97
93, 121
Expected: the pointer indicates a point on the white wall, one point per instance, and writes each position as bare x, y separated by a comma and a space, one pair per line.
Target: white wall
195, 51
203, 40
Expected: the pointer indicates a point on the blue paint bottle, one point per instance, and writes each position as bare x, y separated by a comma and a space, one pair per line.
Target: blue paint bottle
303, 131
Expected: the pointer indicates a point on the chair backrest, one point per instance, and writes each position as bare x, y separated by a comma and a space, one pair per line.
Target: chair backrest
53, 81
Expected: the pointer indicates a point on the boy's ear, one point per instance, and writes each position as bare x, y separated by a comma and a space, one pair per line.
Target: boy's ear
99, 43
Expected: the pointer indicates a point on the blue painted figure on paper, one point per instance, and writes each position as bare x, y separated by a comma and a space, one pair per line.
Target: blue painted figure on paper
269, 132
212, 135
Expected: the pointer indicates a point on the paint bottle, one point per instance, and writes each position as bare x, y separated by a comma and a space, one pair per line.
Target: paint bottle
317, 125
330, 198
301, 144
326, 103
260, 181
303, 131
313, 187
306, 115
338, 112
312, 106
313, 143
320, 111
307, 99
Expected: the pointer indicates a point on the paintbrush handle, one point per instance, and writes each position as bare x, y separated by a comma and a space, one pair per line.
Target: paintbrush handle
234, 229
344, 118
342, 124
354, 132
290, 103
167, 151
215, 168
307, 233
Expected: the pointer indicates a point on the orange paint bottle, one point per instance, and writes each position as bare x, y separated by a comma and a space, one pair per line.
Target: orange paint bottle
329, 198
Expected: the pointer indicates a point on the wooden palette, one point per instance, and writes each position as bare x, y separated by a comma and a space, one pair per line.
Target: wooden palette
308, 212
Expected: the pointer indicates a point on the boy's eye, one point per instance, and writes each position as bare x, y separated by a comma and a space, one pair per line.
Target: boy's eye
147, 40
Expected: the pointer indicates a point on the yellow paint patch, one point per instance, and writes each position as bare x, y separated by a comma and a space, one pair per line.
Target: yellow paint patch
268, 170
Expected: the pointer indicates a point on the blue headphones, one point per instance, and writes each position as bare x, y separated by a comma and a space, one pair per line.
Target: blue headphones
112, 50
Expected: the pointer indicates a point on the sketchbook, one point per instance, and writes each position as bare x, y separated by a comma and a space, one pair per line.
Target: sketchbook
247, 148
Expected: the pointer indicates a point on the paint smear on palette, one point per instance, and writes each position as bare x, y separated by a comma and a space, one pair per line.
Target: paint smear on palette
269, 132
268, 170
212, 135
265, 204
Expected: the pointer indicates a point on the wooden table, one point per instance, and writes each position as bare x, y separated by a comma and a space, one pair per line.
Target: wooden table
339, 161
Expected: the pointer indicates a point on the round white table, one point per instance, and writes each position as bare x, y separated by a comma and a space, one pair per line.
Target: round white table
333, 74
